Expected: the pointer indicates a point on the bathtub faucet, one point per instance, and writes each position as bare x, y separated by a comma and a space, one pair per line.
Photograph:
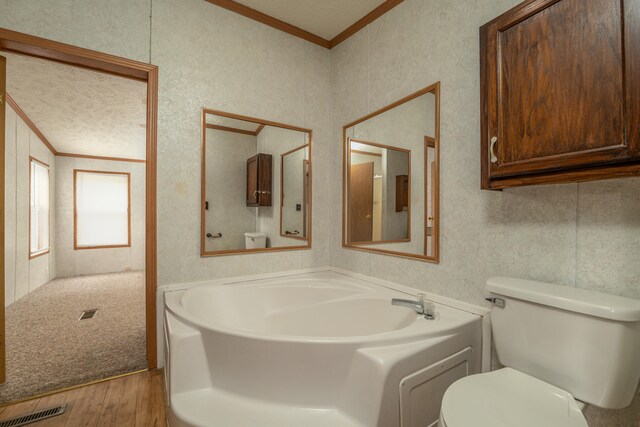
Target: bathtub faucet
420, 306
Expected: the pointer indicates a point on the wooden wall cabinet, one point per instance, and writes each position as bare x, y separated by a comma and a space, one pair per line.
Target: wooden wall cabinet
259, 180
560, 92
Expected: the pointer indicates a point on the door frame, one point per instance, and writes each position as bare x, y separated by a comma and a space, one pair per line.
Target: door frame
3, 106
25, 44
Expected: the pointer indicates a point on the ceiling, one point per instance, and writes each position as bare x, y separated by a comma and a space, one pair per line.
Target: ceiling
326, 18
326, 22
80, 111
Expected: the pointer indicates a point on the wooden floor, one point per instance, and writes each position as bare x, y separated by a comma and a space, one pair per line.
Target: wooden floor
132, 400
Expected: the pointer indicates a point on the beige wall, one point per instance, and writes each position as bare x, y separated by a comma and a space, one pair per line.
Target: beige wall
24, 275
71, 262
210, 57
575, 234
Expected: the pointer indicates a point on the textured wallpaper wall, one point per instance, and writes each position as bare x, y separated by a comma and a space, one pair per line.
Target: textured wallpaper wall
210, 57
580, 235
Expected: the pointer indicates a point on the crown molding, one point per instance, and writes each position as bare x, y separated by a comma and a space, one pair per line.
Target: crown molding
30, 123
278, 24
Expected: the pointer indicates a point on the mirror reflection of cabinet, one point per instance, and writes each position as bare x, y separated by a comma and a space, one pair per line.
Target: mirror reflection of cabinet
259, 177
390, 206
242, 185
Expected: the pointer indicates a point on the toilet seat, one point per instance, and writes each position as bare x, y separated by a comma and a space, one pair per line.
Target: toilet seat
508, 398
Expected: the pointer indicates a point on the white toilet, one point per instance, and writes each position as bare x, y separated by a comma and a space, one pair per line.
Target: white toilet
255, 240
561, 346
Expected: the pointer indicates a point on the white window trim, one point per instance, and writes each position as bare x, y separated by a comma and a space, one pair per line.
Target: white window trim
46, 250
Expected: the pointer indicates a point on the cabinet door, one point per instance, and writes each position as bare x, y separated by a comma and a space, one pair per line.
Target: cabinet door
265, 172
253, 193
560, 86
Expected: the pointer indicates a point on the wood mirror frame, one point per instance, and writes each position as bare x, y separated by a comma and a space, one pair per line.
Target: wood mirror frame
429, 141
305, 243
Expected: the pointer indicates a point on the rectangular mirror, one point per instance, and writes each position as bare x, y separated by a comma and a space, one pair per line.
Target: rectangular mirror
250, 201
379, 182
391, 178
294, 193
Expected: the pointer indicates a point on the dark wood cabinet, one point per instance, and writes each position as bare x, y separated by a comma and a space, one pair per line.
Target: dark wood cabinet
560, 92
259, 180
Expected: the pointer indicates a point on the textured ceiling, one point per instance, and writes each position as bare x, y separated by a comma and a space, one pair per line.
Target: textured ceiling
326, 18
78, 110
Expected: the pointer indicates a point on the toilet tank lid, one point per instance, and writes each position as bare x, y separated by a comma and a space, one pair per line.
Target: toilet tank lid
582, 301
256, 234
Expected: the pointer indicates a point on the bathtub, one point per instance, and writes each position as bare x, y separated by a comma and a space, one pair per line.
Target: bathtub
313, 349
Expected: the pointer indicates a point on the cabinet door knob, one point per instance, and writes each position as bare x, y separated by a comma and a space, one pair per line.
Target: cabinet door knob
494, 159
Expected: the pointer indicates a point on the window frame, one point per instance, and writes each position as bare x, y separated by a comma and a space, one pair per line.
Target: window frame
75, 209
47, 250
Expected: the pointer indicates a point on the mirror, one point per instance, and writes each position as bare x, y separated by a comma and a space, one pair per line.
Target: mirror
379, 187
251, 202
391, 178
294, 192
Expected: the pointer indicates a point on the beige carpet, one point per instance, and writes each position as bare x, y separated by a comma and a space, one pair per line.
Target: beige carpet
48, 348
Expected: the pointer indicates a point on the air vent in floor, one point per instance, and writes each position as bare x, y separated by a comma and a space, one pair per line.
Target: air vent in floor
87, 314
34, 416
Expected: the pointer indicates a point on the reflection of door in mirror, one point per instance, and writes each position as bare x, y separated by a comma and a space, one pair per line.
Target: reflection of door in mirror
393, 209
361, 202
242, 209
431, 190
378, 188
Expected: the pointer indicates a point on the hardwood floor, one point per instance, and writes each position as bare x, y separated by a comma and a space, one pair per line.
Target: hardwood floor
133, 400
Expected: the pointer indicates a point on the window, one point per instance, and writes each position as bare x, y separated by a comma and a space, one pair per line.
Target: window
102, 209
38, 208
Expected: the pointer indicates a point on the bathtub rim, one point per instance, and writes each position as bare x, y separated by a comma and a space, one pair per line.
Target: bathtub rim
482, 311
417, 330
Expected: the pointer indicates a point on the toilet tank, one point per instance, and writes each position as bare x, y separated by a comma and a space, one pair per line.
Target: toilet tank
255, 240
584, 342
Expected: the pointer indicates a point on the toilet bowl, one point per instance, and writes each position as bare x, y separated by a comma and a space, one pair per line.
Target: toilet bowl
508, 398
560, 346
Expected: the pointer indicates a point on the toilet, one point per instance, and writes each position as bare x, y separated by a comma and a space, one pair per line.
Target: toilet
255, 240
561, 346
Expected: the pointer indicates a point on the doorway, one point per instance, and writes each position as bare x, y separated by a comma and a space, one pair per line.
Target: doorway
82, 171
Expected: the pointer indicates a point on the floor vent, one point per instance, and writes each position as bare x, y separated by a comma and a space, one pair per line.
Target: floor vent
34, 416
87, 314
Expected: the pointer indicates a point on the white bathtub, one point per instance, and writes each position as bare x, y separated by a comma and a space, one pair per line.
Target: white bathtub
315, 349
